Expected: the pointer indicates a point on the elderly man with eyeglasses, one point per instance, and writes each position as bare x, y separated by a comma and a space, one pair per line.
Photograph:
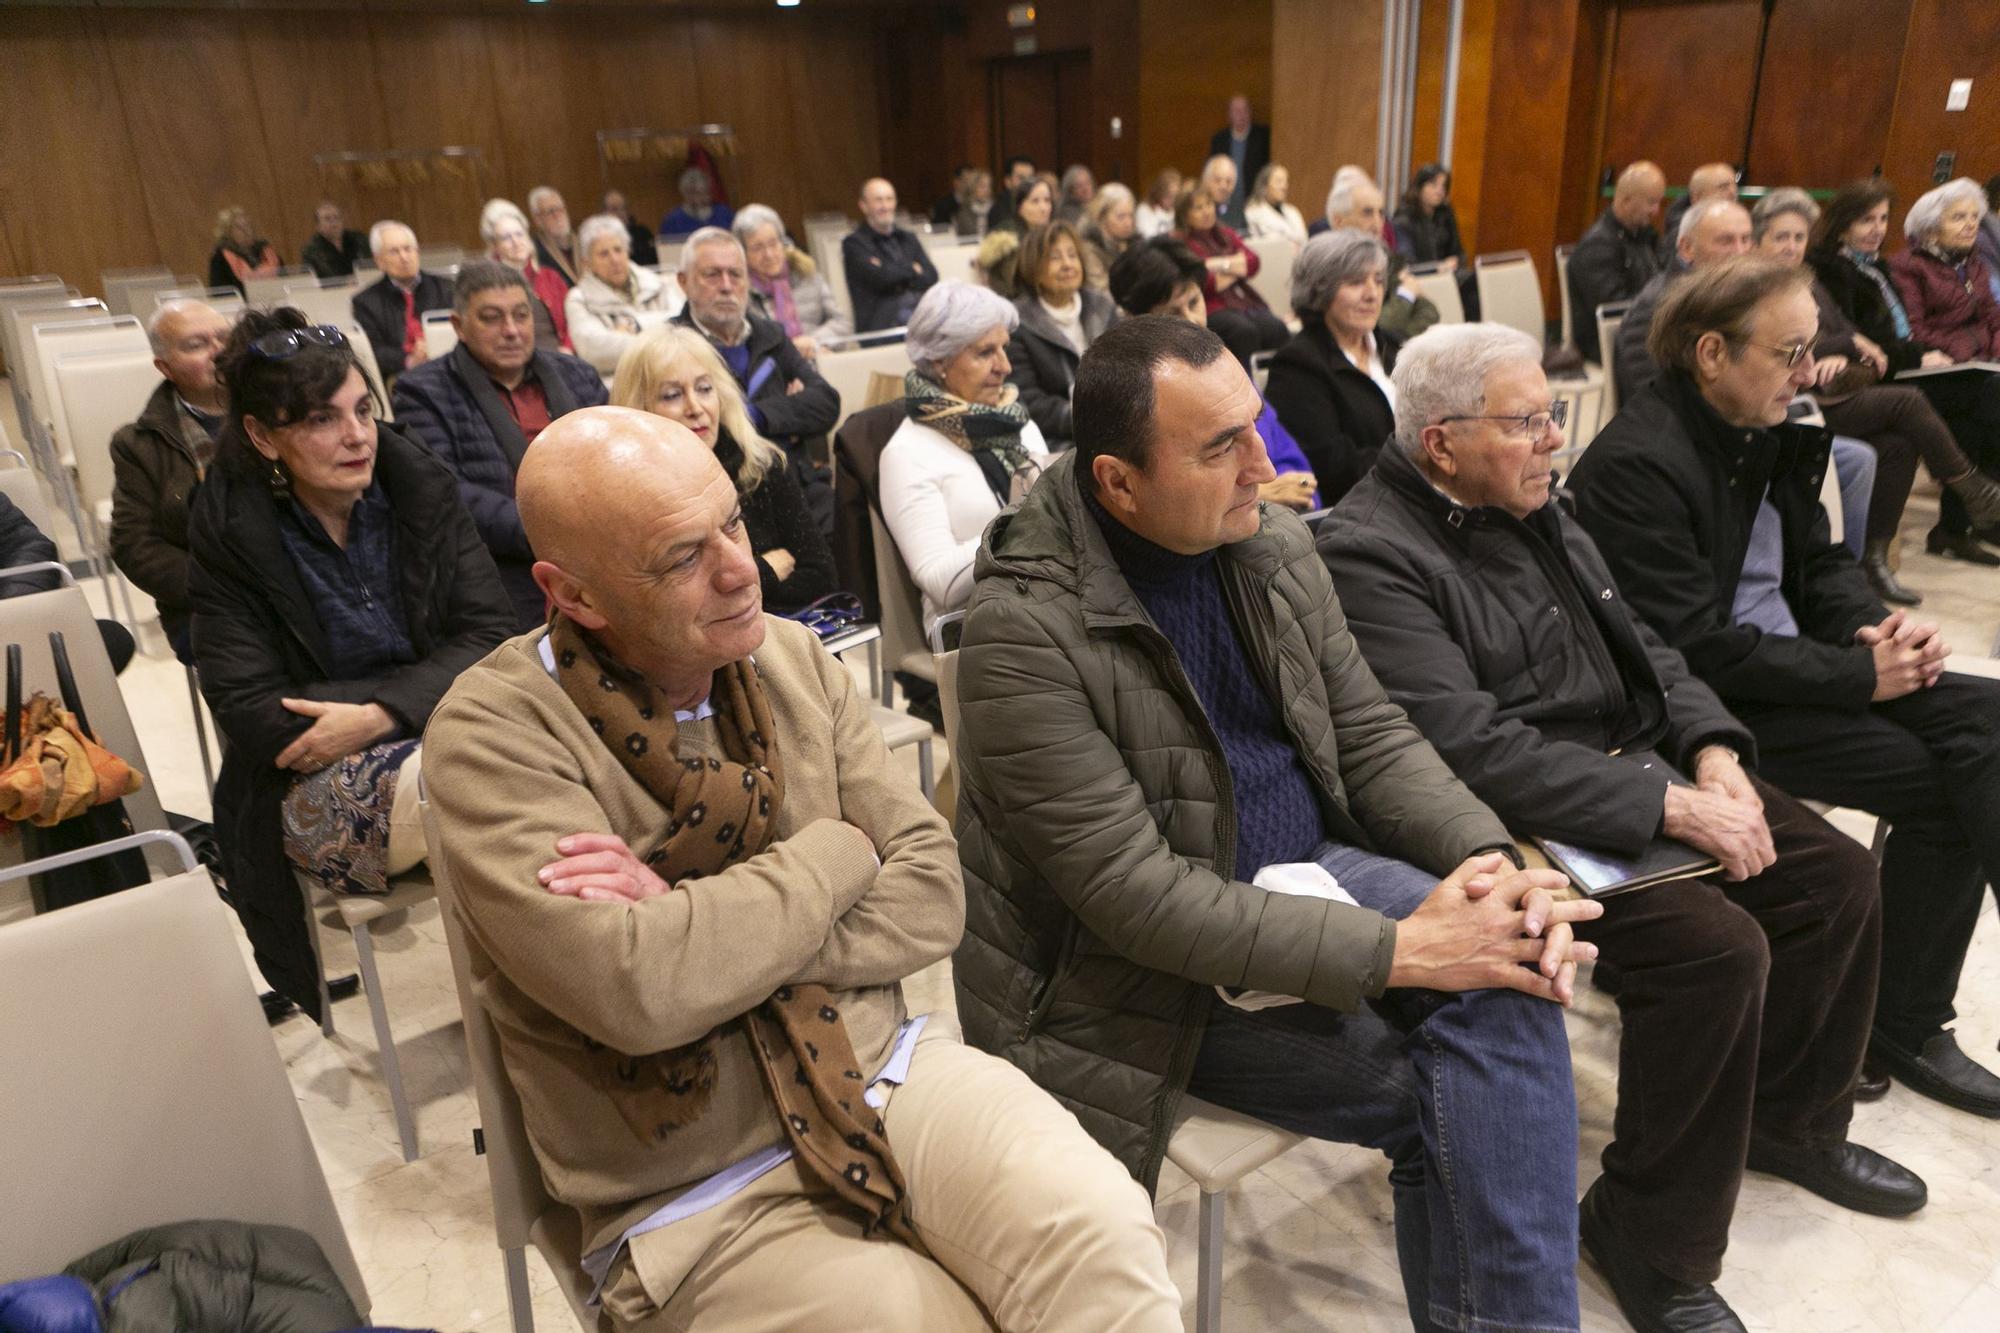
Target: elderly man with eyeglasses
1491, 619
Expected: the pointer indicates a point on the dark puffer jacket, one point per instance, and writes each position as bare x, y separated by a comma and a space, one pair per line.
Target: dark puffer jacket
258, 638
1096, 822
155, 473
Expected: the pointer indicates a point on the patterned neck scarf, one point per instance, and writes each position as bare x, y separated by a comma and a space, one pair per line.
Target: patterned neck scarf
1958, 261
725, 811
778, 291
992, 435
1872, 266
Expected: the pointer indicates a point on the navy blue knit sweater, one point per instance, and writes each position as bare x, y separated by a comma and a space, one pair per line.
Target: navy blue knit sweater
1277, 814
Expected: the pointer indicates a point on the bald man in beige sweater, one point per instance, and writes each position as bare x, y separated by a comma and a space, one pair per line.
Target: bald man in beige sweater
688, 1016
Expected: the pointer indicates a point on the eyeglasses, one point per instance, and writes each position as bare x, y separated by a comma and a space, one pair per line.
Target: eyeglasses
1793, 352
282, 344
1533, 425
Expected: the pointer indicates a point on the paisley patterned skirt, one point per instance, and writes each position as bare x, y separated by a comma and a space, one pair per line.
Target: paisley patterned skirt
337, 820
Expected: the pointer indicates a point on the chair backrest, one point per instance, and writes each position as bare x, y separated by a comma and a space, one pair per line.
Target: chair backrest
323, 304
519, 1196
143, 1086
55, 343
28, 621
953, 262
118, 284
823, 238
364, 352
1275, 256
1442, 290
26, 291
212, 295
848, 372
902, 605
100, 392
18, 332
442, 257
270, 291
439, 335
1562, 291
1510, 292
1609, 316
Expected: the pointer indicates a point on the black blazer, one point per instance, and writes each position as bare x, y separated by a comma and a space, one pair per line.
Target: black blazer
1669, 492
1256, 153
258, 638
1339, 416
378, 308
1508, 644
1865, 307
1045, 362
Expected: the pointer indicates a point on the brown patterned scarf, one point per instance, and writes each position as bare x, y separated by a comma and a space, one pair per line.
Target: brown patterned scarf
725, 811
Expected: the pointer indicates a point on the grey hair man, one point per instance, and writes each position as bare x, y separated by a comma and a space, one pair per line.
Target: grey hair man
555, 244
698, 208
391, 309
1709, 232
1575, 724
1355, 204
159, 459
789, 402
482, 404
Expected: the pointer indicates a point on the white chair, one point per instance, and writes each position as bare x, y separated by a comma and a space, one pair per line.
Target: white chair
226, 300
523, 1212
1510, 292
1275, 256
1563, 253
1216, 1147
1610, 316
267, 292
848, 371
325, 303
953, 262
443, 257
119, 283
23, 371
364, 352
142, 1084
99, 392
439, 335
903, 644
84, 337
1442, 290
26, 291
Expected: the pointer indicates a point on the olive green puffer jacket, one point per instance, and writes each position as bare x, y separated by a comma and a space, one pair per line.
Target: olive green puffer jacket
1095, 822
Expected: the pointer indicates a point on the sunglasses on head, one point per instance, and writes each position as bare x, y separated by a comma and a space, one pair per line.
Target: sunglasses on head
281, 344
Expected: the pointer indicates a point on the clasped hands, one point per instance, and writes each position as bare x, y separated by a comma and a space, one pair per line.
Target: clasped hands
1721, 815
1909, 655
1489, 925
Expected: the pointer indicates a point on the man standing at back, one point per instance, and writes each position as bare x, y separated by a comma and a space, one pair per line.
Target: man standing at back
887, 269
1160, 702
482, 404
1247, 145
391, 311
158, 460
1618, 255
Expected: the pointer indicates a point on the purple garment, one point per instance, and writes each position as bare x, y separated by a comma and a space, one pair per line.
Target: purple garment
784, 311
1283, 450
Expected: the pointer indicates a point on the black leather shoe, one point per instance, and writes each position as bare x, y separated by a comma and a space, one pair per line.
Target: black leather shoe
1872, 1086
1939, 1071
1959, 546
1651, 1301
1849, 1175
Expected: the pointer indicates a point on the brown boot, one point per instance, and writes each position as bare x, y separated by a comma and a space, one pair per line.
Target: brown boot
1875, 564
1980, 495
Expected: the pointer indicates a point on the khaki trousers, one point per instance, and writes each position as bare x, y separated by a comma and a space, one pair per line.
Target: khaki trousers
1030, 1223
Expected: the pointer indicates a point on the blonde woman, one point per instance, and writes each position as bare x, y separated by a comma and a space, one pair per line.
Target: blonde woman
240, 253
674, 372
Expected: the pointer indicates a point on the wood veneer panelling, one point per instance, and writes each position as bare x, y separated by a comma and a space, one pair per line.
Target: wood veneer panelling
1326, 63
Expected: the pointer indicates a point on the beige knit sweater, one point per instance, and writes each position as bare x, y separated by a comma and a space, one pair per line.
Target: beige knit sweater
510, 766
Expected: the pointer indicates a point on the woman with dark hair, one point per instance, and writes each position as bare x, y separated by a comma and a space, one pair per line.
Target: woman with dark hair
339, 587
1236, 314
1031, 204
1426, 230
1846, 256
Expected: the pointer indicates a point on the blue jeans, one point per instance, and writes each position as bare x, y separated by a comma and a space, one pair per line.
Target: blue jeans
1469, 1095
1854, 469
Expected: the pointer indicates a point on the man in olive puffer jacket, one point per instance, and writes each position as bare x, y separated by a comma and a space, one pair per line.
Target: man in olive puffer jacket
1159, 699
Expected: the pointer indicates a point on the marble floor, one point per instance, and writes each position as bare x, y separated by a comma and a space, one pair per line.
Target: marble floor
1310, 1245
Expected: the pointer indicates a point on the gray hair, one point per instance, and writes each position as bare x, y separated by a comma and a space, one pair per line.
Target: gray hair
691, 174
711, 236
1340, 195
1927, 214
378, 235
1785, 199
161, 312
753, 218
1330, 260
1692, 219
496, 209
1442, 373
596, 227
951, 317
1214, 164
541, 194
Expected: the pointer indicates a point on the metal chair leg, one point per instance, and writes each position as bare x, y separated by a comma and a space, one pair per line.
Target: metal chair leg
385, 1041
1208, 1267
201, 730
520, 1303
924, 778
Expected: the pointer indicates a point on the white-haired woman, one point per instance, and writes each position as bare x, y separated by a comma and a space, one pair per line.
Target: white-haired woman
1110, 225
785, 285
615, 300
1942, 281
698, 207
504, 228
1270, 212
1330, 384
676, 373
968, 448
1079, 187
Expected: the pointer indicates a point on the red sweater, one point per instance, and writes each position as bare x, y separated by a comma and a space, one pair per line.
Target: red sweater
1215, 243
1957, 315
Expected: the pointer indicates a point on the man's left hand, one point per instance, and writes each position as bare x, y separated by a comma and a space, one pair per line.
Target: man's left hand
1719, 771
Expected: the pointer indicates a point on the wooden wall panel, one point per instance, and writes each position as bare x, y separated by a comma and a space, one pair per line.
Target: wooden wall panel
1192, 58
1807, 133
69, 194
1948, 39
1326, 63
1680, 84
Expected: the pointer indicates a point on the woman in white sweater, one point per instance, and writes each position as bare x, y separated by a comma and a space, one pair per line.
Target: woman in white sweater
968, 448
1270, 212
616, 300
